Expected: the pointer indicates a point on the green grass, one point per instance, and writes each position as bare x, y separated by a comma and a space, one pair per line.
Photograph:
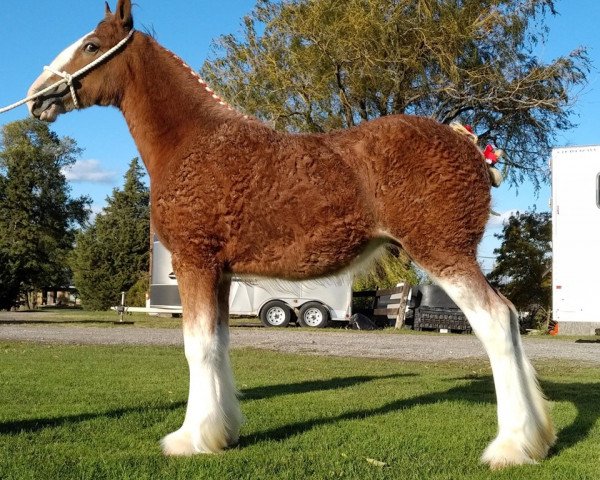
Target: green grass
79, 317
98, 412
83, 317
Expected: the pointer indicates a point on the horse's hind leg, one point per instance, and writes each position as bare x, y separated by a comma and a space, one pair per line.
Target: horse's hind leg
213, 417
525, 431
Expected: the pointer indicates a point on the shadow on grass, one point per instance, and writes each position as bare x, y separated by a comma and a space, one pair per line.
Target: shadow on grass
478, 391
584, 396
35, 424
314, 386
586, 399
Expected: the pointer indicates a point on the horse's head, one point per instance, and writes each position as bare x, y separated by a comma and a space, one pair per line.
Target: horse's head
94, 87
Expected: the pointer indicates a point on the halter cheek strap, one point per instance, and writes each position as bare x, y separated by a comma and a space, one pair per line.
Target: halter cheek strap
68, 78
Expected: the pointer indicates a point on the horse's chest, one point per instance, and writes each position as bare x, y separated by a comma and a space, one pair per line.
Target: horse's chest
188, 213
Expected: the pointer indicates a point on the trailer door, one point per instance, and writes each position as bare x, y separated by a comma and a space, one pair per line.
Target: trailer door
576, 234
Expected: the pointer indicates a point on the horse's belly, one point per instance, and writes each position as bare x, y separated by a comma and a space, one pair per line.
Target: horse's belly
314, 254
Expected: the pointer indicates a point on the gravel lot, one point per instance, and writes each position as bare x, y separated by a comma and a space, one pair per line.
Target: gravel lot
345, 344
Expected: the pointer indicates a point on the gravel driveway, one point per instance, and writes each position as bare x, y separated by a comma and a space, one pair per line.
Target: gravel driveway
345, 344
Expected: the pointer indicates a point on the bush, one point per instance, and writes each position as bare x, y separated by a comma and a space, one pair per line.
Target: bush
136, 295
391, 268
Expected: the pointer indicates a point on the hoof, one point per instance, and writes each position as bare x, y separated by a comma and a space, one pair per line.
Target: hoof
503, 453
186, 442
233, 425
179, 444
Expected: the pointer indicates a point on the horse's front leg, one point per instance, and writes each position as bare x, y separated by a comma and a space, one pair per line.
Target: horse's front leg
213, 417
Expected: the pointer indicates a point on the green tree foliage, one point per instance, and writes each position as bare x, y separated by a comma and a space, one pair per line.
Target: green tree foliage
136, 295
316, 65
522, 271
38, 218
9, 284
392, 267
112, 254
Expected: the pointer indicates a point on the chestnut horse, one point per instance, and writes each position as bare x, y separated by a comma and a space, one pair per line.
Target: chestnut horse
230, 195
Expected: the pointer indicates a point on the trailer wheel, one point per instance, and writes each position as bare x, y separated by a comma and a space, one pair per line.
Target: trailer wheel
276, 314
313, 314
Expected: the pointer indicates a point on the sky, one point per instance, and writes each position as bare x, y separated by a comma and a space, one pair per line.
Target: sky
32, 33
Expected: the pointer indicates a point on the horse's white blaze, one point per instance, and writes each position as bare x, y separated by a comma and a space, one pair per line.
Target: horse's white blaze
58, 64
213, 417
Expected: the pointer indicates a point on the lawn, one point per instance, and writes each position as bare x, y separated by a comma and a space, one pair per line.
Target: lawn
97, 412
79, 317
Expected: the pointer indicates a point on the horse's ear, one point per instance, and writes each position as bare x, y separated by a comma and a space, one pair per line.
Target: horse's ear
123, 13
107, 11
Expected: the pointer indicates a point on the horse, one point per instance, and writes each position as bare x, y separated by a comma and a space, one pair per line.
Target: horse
232, 196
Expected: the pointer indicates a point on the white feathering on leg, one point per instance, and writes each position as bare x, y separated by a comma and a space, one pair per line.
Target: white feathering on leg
525, 431
213, 417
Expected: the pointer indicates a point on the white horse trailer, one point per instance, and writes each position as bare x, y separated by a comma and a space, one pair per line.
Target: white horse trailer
576, 239
312, 303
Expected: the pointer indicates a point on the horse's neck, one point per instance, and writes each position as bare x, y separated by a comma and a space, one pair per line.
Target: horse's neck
165, 103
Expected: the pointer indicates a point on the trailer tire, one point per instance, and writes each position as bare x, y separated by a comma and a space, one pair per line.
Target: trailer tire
314, 315
276, 314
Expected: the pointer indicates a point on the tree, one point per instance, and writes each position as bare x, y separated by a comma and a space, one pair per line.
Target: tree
38, 218
524, 259
392, 267
9, 284
112, 254
316, 65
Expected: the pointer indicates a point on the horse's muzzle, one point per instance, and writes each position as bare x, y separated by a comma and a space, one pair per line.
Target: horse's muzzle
50, 105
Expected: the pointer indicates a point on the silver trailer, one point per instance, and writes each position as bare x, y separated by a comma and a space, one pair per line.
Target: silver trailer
311, 303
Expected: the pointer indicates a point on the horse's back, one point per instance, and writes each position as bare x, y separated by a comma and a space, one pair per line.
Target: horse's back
430, 186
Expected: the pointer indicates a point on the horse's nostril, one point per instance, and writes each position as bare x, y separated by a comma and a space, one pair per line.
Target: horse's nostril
36, 106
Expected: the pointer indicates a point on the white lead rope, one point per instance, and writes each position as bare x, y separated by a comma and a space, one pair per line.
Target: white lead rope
68, 78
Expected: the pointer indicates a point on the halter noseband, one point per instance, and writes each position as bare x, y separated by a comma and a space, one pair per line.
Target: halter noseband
68, 78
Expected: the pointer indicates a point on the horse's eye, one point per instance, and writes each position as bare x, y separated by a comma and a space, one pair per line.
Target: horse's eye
90, 48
